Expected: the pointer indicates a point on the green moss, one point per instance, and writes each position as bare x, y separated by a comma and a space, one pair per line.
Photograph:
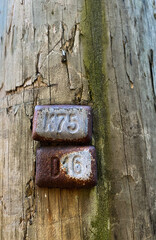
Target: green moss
94, 40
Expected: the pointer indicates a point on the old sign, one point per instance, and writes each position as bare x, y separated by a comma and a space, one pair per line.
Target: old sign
66, 167
62, 123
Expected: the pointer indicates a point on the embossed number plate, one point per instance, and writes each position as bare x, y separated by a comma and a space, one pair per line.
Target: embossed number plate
67, 167
62, 123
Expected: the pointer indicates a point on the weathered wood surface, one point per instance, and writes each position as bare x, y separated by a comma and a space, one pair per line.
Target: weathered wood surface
111, 66
132, 58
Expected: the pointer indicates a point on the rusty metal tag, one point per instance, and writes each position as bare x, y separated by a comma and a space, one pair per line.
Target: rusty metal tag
67, 167
62, 123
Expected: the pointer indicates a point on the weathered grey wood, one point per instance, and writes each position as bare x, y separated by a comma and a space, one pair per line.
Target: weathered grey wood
131, 34
32, 73
111, 66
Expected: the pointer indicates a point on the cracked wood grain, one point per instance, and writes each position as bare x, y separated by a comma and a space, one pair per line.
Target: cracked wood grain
35, 75
32, 35
133, 112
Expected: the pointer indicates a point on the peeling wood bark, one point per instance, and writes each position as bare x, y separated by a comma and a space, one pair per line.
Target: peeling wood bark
120, 38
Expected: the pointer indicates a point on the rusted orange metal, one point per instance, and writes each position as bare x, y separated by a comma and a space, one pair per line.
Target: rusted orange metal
66, 167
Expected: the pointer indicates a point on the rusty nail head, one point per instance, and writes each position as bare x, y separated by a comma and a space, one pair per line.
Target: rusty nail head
66, 167
62, 123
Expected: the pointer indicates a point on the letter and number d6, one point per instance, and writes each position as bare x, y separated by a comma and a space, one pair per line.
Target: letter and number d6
62, 123
66, 167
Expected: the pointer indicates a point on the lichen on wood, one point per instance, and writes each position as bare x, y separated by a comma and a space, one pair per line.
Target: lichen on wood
95, 41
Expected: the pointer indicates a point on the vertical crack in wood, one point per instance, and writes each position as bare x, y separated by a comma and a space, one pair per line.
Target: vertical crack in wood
48, 34
130, 195
12, 12
60, 203
125, 57
30, 195
67, 45
2, 85
68, 73
151, 65
79, 216
37, 63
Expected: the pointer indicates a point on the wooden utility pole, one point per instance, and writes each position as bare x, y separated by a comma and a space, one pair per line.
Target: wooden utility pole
110, 50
